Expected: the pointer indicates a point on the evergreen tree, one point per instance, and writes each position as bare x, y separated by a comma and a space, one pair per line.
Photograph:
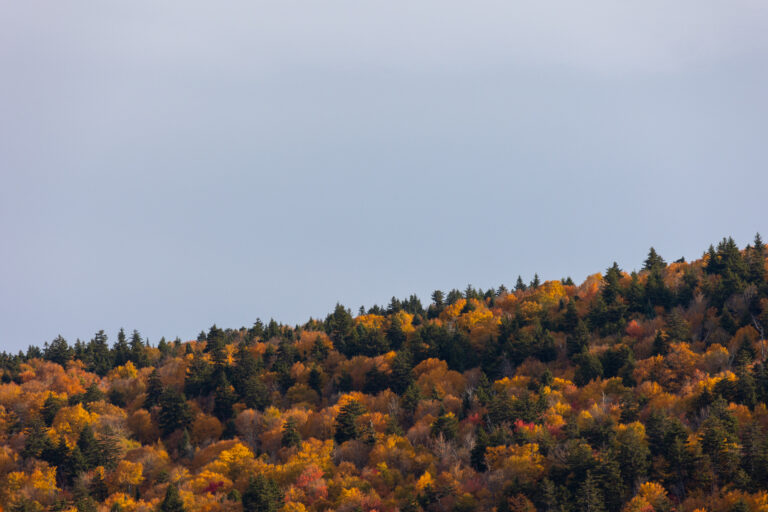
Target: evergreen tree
59, 351
660, 344
138, 353
246, 366
163, 347
590, 497
154, 390
536, 282
199, 377
654, 261
453, 297
395, 333
262, 495
51, 406
756, 262
611, 280
99, 355
225, 398
89, 448
446, 425
172, 501
576, 342
175, 412
38, 443
255, 393
477, 455
338, 325
590, 368
411, 398
315, 379
290, 434
570, 318
346, 422
400, 376
120, 350
185, 445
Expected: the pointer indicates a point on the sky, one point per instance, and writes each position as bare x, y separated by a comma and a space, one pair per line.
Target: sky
168, 165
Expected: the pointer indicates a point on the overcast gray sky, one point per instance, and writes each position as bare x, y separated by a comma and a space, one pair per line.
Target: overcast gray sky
165, 165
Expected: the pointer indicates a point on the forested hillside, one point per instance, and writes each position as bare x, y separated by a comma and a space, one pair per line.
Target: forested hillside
642, 391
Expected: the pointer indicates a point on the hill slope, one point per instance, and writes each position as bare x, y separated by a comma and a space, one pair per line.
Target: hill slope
638, 392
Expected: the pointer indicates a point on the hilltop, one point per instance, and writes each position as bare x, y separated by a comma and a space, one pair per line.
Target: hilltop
632, 391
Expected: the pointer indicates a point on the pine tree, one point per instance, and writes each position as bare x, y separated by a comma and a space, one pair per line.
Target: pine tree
520, 285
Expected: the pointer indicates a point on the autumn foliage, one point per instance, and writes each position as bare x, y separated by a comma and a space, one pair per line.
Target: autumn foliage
642, 391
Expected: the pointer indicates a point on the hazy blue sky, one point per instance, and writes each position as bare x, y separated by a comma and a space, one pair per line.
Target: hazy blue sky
165, 165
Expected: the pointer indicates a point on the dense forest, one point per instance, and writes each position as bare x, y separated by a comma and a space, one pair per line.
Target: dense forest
632, 391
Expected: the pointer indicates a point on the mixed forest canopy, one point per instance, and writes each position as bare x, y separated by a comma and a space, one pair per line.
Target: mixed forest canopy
632, 391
